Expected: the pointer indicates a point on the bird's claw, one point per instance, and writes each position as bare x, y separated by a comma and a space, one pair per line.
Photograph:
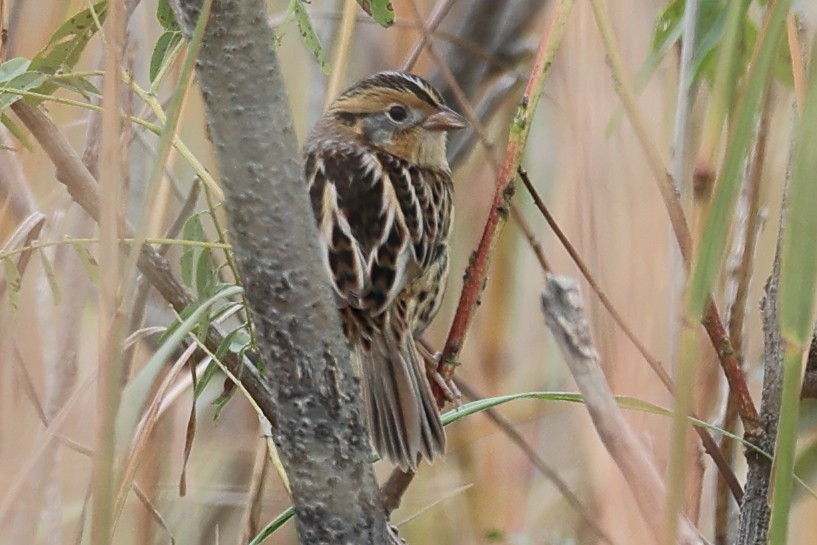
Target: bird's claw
394, 538
449, 390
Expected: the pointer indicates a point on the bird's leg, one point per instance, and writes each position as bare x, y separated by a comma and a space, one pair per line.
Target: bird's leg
447, 388
394, 537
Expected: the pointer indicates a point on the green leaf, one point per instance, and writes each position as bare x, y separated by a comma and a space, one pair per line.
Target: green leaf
164, 14
192, 230
77, 84
270, 528
136, 391
668, 26
669, 30
203, 325
18, 133
205, 274
24, 82
218, 315
87, 260
13, 68
13, 281
798, 265
221, 402
710, 37
183, 315
83, 23
164, 52
228, 344
496, 535
380, 10
309, 35
53, 283
711, 251
67, 44
204, 380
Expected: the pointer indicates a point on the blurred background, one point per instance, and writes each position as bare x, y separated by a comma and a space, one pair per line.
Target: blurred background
586, 163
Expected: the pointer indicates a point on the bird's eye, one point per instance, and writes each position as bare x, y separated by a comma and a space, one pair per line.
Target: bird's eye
397, 113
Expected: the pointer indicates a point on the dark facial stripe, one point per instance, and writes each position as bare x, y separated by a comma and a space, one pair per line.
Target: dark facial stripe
346, 118
399, 80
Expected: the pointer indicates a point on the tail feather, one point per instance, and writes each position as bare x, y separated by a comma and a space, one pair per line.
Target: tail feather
403, 417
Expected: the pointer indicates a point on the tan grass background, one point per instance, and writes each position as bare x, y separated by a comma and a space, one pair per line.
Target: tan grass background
587, 164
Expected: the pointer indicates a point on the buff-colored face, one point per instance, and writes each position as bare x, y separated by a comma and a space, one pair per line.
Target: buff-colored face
407, 121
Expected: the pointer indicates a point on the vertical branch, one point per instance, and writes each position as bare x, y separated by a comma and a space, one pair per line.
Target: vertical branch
683, 106
110, 317
321, 434
743, 258
341, 57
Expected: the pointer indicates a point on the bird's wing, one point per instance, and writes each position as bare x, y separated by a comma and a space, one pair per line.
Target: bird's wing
370, 209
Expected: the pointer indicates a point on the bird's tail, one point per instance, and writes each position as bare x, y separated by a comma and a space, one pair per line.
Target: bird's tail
404, 421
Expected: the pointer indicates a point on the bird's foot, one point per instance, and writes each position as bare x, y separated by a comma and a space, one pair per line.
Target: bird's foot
394, 537
449, 390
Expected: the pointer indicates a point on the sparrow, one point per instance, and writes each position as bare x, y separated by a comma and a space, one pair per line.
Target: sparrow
382, 195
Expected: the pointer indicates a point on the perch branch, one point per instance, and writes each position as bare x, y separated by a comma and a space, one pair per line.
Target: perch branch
476, 273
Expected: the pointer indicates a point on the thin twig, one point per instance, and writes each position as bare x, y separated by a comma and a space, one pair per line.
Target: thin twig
341, 57
393, 489
478, 268
536, 246
538, 462
479, 128
467, 45
709, 443
26, 233
653, 362
743, 258
441, 9
83, 188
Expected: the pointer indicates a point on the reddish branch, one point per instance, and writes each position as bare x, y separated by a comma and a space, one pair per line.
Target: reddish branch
476, 273
738, 389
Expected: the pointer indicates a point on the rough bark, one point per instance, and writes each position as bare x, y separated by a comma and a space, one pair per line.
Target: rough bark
755, 511
321, 433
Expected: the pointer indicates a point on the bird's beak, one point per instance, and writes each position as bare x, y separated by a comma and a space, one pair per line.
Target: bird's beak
444, 119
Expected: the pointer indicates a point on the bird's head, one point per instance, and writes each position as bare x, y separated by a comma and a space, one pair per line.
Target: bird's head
399, 113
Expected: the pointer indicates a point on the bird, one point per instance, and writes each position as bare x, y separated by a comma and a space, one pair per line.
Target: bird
382, 194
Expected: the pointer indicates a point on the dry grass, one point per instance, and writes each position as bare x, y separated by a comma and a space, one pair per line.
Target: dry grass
587, 163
